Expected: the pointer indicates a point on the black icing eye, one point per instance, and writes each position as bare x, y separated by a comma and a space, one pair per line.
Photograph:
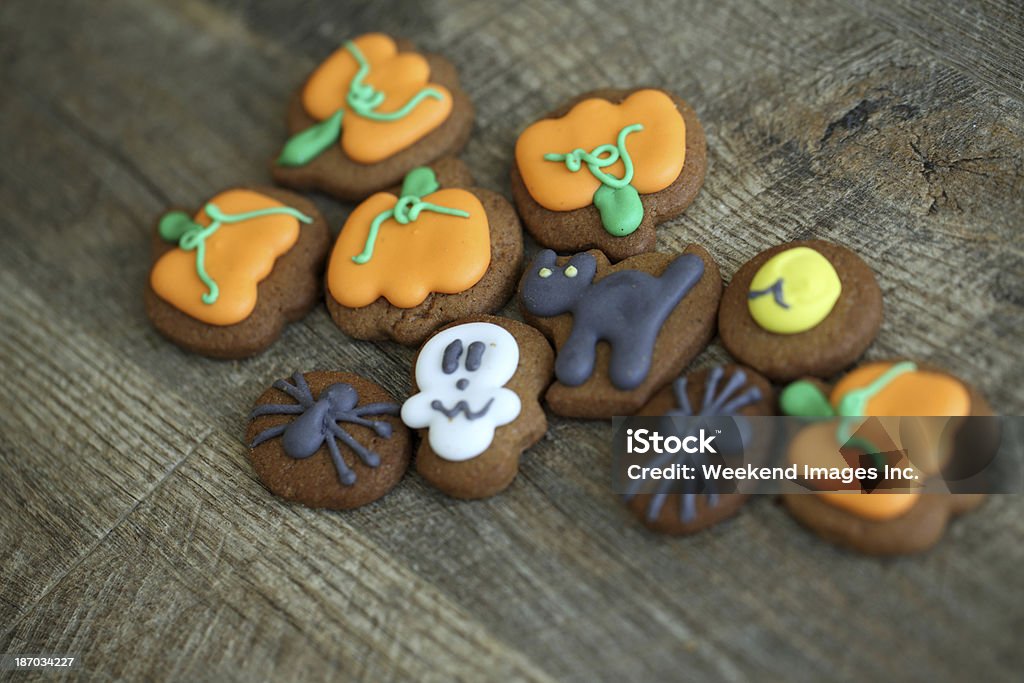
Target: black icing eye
450, 359
474, 356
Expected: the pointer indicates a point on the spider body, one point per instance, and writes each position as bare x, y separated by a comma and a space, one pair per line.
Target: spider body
320, 422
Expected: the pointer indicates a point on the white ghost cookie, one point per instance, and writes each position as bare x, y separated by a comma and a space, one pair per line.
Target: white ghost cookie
461, 373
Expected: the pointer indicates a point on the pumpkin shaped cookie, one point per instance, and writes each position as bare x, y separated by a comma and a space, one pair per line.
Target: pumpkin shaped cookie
603, 170
225, 280
920, 412
807, 308
413, 259
368, 114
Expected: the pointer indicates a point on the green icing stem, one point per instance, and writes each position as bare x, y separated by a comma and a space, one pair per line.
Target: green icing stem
364, 99
616, 199
600, 157
407, 210
190, 236
855, 403
803, 399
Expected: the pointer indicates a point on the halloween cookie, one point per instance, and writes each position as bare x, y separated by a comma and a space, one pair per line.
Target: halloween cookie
226, 279
478, 385
685, 507
371, 112
328, 440
603, 170
436, 250
799, 309
623, 331
919, 411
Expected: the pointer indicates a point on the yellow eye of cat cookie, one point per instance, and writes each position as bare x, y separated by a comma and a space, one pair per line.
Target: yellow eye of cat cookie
793, 291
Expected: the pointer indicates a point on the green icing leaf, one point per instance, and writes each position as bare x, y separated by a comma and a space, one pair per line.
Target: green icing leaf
174, 224
303, 147
621, 209
419, 182
804, 399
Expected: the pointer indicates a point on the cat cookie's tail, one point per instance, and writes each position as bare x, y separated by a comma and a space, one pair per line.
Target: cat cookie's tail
681, 275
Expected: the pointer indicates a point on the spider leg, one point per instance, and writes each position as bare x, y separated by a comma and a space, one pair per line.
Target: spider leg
377, 409
711, 390
299, 391
276, 409
751, 395
268, 434
345, 475
382, 428
682, 400
365, 454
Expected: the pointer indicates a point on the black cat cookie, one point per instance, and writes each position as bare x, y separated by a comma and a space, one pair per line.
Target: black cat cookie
328, 440
368, 114
687, 506
808, 308
603, 170
621, 331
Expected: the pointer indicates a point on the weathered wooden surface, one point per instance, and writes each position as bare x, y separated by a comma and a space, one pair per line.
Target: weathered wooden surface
132, 530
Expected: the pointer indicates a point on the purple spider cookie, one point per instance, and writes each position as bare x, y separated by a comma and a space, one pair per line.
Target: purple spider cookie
328, 440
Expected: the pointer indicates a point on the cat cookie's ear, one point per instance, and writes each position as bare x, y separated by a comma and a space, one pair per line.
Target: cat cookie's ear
544, 259
583, 266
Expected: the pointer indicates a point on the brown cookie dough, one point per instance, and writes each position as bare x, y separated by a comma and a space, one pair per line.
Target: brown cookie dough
623, 331
493, 469
335, 173
581, 229
734, 391
919, 529
285, 295
821, 351
293, 429
915, 518
381, 319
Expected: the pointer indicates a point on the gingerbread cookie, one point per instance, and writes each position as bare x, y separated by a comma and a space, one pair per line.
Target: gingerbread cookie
863, 514
685, 507
623, 331
799, 309
603, 170
371, 112
328, 440
226, 280
435, 251
478, 385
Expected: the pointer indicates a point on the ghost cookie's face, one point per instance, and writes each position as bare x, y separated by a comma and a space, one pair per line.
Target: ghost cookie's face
461, 373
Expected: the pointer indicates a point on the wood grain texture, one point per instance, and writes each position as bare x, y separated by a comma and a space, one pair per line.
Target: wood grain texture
134, 533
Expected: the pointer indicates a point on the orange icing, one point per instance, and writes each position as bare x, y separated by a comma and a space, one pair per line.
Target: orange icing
399, 76
434, 253
238, 257
914, 393
658, 151
918, 393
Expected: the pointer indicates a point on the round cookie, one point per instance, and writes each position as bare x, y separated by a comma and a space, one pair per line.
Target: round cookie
807, 308
442, 250
882, 523
368, 114
718, 390
328, 440
226, 280
477, 387
621, 331
601, 171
